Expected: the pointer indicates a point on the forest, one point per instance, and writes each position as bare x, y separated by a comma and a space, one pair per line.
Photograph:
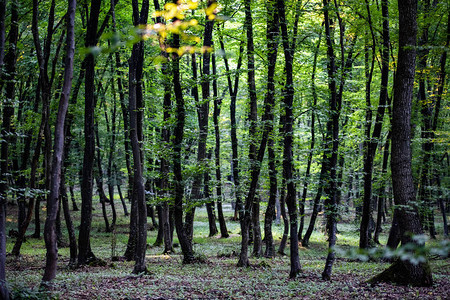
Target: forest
224, 149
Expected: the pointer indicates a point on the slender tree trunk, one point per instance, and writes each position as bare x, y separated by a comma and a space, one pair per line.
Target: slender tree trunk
270, 211
203, 116
7, 114
251, 203
135, 106
186, 246
69, 225
164, 213
58, 155
99, 181
110, 171
44, 92
72, 198
330, 202
288, 167
313, 141
233, 133
382, 190
125, 115
216, 114
272, 33
84, 251
440, 90
405, 272
209, 204
285, 218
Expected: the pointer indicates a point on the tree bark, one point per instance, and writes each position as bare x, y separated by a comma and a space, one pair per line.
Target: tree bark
272, 33
7, 114
402, 180
233, 132
58, 154
180, 113
313, 141
84, 251
288, 167
372, 142
216, 115
251, 202
135, 108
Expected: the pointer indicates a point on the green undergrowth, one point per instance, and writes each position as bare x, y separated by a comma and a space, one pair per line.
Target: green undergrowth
216, 276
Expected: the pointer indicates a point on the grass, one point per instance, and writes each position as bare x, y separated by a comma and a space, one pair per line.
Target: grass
216, 278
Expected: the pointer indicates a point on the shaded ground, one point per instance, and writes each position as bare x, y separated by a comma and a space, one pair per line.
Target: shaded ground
216, 278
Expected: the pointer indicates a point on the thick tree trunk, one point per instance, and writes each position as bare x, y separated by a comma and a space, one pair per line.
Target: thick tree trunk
58, 155
402, 180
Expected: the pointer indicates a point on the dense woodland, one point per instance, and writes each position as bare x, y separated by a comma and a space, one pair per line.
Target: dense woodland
308, 113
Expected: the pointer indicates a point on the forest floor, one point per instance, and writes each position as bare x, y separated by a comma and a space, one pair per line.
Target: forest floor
217, 277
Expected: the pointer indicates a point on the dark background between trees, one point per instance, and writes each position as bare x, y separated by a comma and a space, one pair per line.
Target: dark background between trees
309, 105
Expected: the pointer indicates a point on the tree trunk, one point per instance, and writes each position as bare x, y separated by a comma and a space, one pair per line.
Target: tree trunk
288, 167
186, 246
203, 116
135, 107
270, 211
210, 203
69, 225
313, 141
8, 113
216, 115
233, 125
272, 33
255, 164
382, 191
72, 198
251, 202
58, 154
99, 181
330, 202
285, 219
112, 176
84, 251
402, 180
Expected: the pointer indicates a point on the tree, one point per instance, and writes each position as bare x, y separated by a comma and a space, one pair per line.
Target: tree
288, 169
84, 249
58, 154
372, 142
404, 271
8, 112
135, 107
